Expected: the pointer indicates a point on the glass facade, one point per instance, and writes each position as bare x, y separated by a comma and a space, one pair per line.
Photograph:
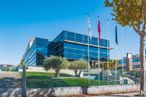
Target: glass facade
37, 47
70, 45
74, 46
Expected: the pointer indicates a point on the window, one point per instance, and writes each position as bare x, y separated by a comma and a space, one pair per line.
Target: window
70, 34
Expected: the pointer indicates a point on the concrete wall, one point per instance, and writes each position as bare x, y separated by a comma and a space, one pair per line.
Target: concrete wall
112, 89
63, 91
129, 81
55, 92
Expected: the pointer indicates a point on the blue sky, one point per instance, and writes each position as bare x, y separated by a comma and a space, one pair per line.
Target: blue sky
23, 19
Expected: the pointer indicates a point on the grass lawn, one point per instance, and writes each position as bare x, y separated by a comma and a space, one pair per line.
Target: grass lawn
47, 80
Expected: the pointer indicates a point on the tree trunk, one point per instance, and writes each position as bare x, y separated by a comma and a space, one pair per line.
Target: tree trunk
142, 64
79, 73
76, 71
57, 73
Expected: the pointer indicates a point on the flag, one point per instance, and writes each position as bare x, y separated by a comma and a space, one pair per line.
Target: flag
89, 27
99, 34
99, 29
116, 35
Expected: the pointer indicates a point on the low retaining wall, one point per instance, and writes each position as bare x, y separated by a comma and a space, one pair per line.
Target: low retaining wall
113, 89
55, 92
63, 91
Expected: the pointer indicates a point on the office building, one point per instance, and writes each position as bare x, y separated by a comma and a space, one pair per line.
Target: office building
70, 45
130, 62
35, 52
74, 46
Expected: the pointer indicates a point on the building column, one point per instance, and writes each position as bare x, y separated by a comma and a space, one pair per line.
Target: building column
129, 62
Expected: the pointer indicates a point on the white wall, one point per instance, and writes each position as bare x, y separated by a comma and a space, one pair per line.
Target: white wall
63, 91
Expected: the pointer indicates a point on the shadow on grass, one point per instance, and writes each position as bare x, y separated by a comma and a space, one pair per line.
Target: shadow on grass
48, 80
45, 83
66, 75
45, 80
10, 82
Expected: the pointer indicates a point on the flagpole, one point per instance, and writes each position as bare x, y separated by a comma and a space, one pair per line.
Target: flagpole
122, 54
89, 35
99, 55
108, 48
88, 61
115, 63
116, 40
99, 59
115, 71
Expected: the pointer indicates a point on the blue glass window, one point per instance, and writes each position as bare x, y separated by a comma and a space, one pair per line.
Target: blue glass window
71, 38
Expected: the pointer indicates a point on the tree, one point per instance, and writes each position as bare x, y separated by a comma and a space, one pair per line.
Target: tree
21, 62
132, 13
112, 64
56, 63
78, 67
